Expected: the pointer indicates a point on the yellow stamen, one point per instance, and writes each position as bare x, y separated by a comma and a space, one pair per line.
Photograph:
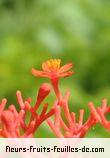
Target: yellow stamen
53, 64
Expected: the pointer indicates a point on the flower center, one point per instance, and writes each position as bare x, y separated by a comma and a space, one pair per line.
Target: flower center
53, 64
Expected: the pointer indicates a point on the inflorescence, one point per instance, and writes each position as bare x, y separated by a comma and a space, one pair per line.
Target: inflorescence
13, 123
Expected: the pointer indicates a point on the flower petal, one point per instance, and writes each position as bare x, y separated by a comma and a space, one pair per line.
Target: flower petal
66, 74
65, 67
39, 73
45, 67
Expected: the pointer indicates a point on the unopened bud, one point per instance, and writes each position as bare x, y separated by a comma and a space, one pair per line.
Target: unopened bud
44, 90
8, 119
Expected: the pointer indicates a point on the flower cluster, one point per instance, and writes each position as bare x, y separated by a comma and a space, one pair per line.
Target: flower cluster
72, 128
14, 124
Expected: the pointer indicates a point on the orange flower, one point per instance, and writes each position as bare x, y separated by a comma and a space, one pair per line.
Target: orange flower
52, 69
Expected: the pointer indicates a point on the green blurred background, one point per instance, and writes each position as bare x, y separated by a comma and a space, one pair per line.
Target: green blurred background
32, 31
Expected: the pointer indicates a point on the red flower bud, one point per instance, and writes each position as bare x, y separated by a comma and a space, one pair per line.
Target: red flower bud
43, 92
